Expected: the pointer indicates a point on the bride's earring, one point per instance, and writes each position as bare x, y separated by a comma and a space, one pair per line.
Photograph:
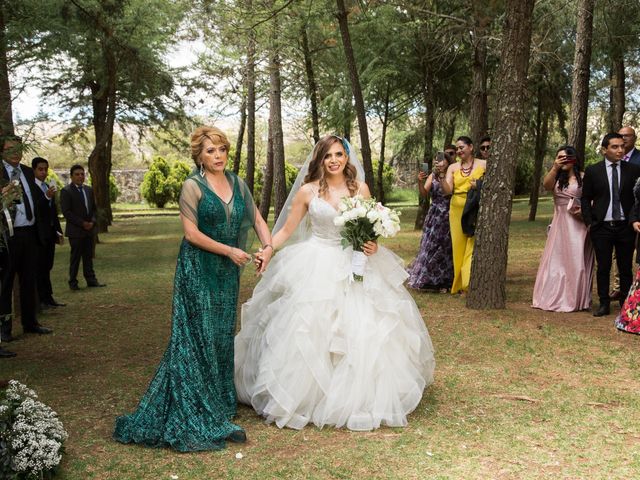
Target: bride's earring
202, 170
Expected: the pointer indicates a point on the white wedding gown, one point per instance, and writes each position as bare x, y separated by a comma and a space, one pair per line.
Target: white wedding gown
315, 346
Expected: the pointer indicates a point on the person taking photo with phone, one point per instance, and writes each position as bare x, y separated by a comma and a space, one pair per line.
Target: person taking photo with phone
565, 275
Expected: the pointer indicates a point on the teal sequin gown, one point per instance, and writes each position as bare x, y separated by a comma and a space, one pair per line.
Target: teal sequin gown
191, 399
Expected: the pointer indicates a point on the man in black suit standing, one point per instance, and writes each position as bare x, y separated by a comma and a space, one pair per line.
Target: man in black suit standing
607, 198
19, 257
49, 233
79, 209
631, 153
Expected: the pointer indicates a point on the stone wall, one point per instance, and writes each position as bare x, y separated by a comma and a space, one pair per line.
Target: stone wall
128, 182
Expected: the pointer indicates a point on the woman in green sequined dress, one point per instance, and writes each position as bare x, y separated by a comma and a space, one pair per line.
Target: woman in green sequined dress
191, 400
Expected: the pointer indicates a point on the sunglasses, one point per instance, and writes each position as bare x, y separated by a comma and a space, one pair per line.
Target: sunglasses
485, 148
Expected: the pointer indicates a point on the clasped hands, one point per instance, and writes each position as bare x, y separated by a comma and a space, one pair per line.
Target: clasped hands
261, 258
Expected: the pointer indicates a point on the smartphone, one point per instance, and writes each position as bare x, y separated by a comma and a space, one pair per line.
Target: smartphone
424, 167
570, 160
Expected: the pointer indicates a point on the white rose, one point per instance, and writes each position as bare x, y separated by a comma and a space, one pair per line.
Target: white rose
339, 221
360, 212
373, 216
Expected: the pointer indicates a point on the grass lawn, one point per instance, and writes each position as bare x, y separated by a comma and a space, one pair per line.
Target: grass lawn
519, 393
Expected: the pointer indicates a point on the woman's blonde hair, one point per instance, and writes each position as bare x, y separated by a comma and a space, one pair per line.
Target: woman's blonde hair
316, 166
198, 137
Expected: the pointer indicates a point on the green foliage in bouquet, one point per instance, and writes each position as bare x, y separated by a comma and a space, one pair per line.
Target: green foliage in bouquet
31, 435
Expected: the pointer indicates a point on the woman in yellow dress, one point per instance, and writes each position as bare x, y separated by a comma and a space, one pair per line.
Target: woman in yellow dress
461, 177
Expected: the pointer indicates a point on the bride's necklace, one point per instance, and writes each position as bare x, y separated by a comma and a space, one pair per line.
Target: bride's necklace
466, 171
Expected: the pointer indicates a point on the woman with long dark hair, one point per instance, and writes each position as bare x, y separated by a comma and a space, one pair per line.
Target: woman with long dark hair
433, 266
565, 275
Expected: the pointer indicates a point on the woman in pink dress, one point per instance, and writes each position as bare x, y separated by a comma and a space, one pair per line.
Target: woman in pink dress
565, 275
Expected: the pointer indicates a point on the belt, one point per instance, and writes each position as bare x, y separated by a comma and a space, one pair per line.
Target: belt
615, 223
24, 229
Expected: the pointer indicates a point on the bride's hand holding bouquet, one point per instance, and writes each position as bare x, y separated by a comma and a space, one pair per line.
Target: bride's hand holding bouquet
363, 220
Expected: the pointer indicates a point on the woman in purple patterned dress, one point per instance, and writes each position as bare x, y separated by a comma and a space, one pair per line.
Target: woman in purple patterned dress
433, 266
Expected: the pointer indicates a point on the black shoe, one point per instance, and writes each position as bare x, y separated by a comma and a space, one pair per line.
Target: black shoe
39, 329
74, 286
53, 303
6, 353
96, 284
45, 306
237, 437
602, 311
6, 337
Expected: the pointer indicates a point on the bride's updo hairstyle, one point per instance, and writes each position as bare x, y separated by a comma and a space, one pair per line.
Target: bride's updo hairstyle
316, 166
198, 137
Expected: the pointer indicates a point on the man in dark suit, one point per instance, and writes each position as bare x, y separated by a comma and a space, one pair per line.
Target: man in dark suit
49, 233
79, 209
19, 257
607, 198
631, 153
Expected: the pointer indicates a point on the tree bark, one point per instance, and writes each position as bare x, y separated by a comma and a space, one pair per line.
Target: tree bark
6, 111
427, 156
243, 123
104, 100
479, 111
251, 105
267, 178
616, 93
489, 266
542, 132
581, 75
383, 142
275, 114
312, 87
450, 129
365, 148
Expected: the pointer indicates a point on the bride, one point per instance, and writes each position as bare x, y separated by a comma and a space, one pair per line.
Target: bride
316, 346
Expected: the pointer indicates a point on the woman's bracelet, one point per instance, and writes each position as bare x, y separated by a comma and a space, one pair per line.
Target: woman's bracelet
268, 245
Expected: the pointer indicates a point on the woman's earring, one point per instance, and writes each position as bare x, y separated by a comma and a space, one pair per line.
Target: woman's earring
202, 170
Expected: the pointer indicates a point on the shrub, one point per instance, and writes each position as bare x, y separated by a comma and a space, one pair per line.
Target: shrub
156, 186
388, 177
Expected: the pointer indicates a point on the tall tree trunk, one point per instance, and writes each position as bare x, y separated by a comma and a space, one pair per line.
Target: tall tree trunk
365, 148
243, 123
581, 74
489, 266
251, 105
427, 157
542, 131
104, 99
616, 93
450, 128
6, 111
479, 111
312, 87
267, 179
275, 114
383, 142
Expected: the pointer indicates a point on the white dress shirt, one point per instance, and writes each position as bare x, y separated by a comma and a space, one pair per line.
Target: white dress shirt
21, 214
609, 216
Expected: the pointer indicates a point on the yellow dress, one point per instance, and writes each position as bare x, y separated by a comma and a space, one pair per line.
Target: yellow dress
462, 245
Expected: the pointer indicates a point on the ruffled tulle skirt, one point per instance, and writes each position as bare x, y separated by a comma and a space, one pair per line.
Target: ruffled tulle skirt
316, 347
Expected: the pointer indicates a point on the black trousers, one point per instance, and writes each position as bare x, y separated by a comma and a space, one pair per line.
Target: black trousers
81, 249
19, 258
606, 238
46, 254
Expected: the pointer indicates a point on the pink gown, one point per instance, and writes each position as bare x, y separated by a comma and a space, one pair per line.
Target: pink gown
565, 275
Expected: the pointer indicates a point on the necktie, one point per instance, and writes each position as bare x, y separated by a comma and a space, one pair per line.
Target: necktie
615, 189
15, 175
84, 198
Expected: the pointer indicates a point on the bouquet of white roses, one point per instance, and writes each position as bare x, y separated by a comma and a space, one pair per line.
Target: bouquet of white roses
363, 220
31, 435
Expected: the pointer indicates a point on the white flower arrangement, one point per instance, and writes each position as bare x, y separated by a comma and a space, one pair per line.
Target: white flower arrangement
31, 435
363, 220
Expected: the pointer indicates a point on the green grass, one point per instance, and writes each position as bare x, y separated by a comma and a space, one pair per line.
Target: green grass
579, 374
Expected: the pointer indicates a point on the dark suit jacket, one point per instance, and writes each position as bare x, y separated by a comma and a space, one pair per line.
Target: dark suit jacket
74, 211
39, 201
635, 157
596, 192
47, 218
